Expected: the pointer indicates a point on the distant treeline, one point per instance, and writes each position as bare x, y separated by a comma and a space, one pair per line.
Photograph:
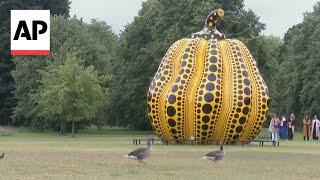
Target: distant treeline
114, 71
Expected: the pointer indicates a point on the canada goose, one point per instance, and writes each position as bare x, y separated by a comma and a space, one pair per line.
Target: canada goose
2, 156
141, 153
215, 155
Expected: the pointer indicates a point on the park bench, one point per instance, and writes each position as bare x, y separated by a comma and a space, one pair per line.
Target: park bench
138, 140
194, 141
166, 141
263, 139
260, 141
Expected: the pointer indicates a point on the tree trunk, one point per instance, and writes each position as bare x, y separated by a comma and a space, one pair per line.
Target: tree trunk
63, 127
41, 126
73, 121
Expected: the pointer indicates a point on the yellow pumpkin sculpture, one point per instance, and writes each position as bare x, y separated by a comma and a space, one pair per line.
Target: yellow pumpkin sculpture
208, 87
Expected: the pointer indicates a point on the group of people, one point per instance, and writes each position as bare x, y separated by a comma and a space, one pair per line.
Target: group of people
315, 125
284, 127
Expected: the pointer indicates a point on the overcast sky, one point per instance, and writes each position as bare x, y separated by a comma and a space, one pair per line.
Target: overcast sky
279, 15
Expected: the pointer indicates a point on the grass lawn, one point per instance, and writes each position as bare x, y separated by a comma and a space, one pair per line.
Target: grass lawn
99, 155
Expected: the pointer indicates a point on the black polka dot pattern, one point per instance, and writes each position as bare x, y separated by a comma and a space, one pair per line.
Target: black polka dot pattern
235, 117
177, 98
259, 92
209, 89
209, 30
157, 90
209, 101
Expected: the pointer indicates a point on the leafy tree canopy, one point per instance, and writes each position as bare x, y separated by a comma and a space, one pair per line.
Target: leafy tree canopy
298, 80
90, 44
70, 92
60, 7
159, 24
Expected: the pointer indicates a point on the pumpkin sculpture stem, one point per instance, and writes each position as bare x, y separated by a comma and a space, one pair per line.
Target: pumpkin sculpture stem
209, 30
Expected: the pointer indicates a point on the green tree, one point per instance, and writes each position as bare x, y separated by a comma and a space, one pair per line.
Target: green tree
287, 81
144, 42
91, 44
60, 7
309, 43
299, 76
70, 92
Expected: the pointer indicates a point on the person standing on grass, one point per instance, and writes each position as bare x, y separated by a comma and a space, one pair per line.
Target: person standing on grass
315, 128
275, 127
283, 128
306, 128
291, 126
270, 130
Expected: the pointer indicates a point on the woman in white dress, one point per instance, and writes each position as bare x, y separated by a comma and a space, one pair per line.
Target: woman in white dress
315, 128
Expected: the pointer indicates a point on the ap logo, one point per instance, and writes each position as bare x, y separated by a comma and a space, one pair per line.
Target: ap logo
30, 32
